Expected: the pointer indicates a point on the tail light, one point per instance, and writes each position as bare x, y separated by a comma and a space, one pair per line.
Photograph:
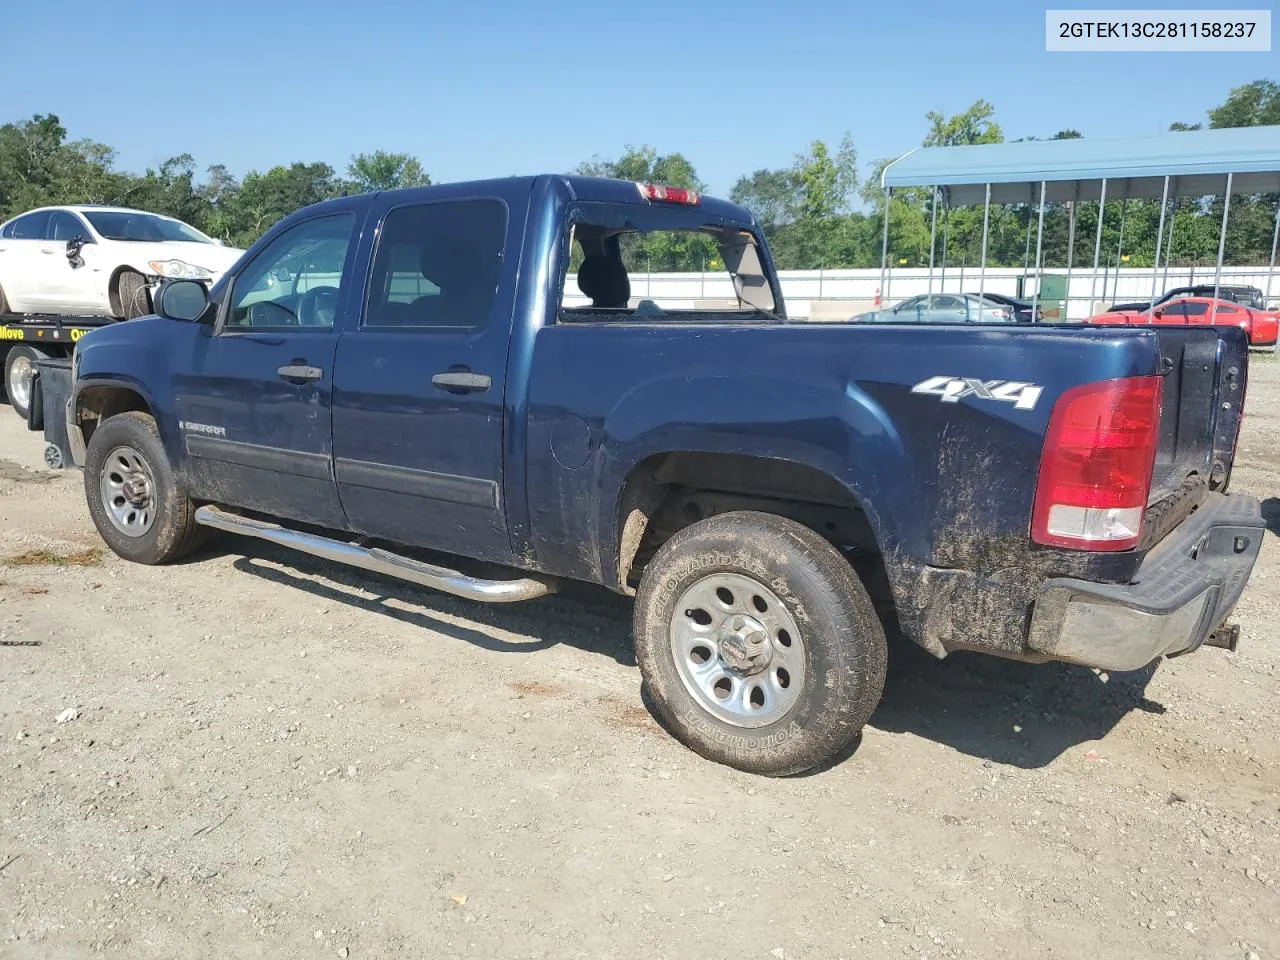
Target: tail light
1095, 471
658, 191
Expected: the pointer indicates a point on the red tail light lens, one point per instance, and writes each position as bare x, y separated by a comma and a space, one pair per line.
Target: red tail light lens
1095, 471
658, 191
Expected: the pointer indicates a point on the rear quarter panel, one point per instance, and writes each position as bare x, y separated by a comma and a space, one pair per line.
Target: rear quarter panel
942, 484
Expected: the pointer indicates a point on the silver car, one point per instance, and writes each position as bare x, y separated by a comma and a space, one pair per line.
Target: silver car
941, 308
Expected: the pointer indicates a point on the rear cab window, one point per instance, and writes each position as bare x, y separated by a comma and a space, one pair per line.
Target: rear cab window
616, 249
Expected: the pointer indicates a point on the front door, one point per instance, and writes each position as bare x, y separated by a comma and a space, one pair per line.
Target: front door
255, 410
418, 409
71, 284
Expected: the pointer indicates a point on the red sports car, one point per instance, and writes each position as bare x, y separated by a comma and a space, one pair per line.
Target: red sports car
1261, 326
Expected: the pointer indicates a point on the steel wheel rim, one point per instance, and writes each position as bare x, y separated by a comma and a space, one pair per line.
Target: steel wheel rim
19, 385
738, 650
128, 489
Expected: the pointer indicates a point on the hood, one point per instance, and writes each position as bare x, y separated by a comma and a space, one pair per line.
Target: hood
217, 260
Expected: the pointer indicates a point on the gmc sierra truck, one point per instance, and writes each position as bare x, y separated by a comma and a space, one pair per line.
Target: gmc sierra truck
466, 370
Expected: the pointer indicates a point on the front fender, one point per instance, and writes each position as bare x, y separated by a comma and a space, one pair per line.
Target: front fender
133, 356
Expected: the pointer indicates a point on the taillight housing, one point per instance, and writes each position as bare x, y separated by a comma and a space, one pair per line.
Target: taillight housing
666, 194
1095, 470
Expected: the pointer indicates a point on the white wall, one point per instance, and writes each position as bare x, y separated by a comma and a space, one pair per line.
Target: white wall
859, 287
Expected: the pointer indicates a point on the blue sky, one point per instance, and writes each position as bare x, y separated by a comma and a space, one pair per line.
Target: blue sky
493, 87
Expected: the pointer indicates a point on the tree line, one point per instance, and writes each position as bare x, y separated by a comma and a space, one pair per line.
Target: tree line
808, 209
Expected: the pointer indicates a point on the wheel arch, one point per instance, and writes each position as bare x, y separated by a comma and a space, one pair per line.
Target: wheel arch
668, 491
97, 400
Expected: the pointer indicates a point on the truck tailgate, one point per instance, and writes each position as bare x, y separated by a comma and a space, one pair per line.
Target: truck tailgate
1205, 371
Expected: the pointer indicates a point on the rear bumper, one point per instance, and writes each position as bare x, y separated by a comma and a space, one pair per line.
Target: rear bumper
1186, 587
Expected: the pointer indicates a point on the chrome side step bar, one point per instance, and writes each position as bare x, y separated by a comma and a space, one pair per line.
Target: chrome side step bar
378, 560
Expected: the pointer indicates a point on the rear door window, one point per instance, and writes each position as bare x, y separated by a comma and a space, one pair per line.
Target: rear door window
437, 265
30, 227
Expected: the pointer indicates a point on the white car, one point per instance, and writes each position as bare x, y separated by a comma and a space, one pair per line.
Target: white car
100, 261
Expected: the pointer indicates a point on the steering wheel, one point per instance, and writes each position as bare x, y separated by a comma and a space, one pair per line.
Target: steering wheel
318, 307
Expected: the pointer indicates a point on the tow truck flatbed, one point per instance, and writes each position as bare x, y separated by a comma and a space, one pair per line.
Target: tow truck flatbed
27, 338
47, 328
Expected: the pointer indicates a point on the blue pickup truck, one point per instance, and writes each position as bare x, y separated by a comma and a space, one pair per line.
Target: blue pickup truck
466, 371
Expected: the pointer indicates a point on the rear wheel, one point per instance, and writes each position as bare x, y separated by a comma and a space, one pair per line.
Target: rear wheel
758, 643
132, 295
19, 368
133, 497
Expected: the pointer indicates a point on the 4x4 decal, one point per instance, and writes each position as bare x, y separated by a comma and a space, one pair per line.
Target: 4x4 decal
1022, 395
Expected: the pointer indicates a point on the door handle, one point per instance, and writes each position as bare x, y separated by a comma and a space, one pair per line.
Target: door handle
462, 381
48, 250
299, 371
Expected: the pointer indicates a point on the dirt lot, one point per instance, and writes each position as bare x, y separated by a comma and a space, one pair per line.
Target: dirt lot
270, 759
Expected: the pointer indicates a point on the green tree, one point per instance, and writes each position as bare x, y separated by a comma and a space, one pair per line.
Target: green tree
264, 198
804, 209
963, 129
386, 171
1255, 104
772, 195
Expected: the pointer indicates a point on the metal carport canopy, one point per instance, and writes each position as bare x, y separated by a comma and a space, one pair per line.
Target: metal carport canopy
1196, 161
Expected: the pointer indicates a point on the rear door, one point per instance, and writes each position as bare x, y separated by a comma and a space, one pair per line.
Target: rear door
418, 413
23, 268
947, 308
255, 398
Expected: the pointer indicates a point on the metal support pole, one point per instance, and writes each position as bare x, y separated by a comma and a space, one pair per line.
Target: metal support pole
946, 235
884, 251
1124, 208
1071, 250
1155, 269
1097, 247
1168, 248
933, 235
1271, 267
1035, 301
1222, 241
1026, 249
982, 264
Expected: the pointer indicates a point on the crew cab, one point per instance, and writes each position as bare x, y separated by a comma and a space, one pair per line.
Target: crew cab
468, 370
1260, 326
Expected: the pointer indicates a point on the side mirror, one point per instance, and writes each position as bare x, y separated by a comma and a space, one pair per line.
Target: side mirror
182, 300
218, 241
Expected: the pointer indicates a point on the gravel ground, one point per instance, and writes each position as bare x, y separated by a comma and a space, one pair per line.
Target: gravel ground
249, 755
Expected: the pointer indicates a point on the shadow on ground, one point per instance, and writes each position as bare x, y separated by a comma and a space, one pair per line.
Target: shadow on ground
968, 702
972, 703
1271, 513
590, 618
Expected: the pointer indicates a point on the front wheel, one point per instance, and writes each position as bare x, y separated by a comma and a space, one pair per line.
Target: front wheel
132, 293
133, 498
758, 644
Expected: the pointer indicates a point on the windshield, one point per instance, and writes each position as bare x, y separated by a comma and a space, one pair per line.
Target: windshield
142, 227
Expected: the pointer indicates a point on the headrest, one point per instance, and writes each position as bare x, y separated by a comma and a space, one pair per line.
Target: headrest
605, 281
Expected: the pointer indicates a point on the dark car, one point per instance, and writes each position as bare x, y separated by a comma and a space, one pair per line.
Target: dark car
1249, 296
427, 371
1021, 308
